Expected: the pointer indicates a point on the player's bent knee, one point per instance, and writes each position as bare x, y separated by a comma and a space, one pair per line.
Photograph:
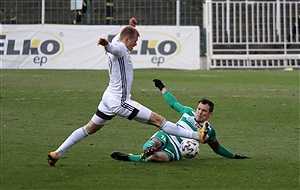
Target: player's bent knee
91, 127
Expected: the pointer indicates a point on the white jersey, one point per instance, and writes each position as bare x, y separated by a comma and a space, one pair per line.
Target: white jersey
116, 98
120, 70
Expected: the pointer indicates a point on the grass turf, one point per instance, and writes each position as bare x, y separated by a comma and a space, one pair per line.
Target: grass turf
256, 114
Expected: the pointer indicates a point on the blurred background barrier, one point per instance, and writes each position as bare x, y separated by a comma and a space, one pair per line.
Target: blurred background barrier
103, 12
48, 46
233, 33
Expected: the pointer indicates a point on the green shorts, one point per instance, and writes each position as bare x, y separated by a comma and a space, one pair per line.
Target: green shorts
168, 145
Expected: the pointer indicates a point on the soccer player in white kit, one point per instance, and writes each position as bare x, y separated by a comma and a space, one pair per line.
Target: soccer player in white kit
116, 98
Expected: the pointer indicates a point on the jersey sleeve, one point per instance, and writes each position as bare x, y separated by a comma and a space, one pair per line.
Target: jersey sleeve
113, 49
173, 103
115, 39
221, 150
216, 146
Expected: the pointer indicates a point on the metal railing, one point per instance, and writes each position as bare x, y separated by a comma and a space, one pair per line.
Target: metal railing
98, 12
233, 34
260, 34
104, 12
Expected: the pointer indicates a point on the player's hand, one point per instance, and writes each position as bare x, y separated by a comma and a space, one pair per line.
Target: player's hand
205, 139
158, 84
102, 41
203, 133
236, 156
133, 22
148, 152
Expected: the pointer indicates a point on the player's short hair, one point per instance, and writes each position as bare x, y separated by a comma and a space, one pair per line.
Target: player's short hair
206, 101
129, 31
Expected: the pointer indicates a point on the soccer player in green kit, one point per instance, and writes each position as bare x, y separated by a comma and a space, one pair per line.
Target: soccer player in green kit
162, 147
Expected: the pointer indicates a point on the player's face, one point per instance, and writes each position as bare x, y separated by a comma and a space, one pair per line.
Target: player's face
202, 112
131, 42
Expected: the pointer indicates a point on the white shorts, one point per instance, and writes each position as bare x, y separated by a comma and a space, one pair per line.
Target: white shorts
130, 109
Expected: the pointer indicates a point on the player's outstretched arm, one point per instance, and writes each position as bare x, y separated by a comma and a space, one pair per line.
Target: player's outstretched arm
170, 99
222, 151
113, 49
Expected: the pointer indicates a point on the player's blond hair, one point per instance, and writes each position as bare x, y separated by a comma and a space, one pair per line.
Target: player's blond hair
129, 31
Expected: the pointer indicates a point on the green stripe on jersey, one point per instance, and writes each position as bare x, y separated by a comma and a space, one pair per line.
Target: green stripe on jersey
187, 121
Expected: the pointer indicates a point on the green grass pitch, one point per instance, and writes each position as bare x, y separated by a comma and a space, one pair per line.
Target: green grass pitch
256, 114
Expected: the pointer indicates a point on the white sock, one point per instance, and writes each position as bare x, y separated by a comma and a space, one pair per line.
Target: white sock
174, 129
74, 138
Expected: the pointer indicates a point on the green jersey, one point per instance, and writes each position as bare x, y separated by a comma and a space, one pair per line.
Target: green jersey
171, 144
189, 122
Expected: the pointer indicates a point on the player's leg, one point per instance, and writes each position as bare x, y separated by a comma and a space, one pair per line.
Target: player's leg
78, 135
154, 147
163, 124
149, 144
74, 138
99, 119
127, 157
136, 111
166, 146
176, 130
165, 150
157, 157
96, 123
156, 141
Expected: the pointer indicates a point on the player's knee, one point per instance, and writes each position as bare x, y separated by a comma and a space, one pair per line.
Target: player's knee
159, 157
91, 127
156, 119
158, 143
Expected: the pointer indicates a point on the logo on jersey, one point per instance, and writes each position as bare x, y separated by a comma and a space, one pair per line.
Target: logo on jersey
129, 60
188, 121
193, 122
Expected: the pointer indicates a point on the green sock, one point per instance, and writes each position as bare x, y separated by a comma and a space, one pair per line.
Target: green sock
148, 144
137, 158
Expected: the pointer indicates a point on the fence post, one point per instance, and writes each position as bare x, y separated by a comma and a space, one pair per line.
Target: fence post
228, 19
43, 12
88, 13
177, 12
109, 11
278, 20
208, 27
